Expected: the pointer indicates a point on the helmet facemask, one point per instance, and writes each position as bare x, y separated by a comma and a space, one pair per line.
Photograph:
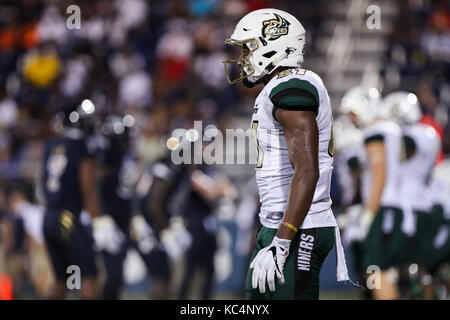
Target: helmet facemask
247, 69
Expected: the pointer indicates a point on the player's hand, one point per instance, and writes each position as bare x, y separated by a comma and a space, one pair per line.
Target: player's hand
107, 235
353, 225
142, 234
175, 239
365, 221
270, 262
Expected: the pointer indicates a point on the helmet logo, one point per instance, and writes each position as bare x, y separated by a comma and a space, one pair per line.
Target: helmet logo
275, 28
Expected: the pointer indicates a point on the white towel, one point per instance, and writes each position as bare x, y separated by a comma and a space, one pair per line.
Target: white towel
341, 264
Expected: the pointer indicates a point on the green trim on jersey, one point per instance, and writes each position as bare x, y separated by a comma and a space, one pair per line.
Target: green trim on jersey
373, 138
410, 144
353, 163
295, 94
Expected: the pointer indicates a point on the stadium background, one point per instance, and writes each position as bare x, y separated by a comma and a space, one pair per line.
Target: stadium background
161, 62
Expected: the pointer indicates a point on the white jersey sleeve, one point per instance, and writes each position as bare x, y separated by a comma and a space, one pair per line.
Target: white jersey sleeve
391, 134
416, 171
291, 89
439, 186
347, 160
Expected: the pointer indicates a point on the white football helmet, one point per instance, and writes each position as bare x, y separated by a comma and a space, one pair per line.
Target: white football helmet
403, 107
364, 103
268, 38
345, 133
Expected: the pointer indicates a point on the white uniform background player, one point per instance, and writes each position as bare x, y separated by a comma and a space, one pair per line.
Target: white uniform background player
439, 187
422, 146
349, 152
416, 171
391, 134
383, 217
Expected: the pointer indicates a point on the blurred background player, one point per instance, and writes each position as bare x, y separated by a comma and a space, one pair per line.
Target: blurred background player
120, 174
382, 217
207, 187
348, 160
349, 152
166, 182
12, 251
435, 280
37, 264
69, 184
180, 206
422, 147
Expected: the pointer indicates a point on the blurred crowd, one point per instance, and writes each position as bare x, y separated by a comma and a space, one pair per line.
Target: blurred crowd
158, 60
418, 58
161, 61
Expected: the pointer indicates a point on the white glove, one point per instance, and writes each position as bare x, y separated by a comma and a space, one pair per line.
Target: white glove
365, 221
107, 235
175, 239
143, 234
350, 216
366, 218
268, 262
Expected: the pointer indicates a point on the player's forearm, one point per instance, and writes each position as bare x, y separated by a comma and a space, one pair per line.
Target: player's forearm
89, 187
376, 191
301, 193
91, 200
158, 215
157, 201
377, 161
92, 204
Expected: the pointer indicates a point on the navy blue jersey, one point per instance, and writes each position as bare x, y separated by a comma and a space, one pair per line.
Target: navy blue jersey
197, 208
178, 177
61, 185
118, 185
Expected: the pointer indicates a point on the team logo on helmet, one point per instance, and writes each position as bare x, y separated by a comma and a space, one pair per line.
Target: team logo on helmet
275, 28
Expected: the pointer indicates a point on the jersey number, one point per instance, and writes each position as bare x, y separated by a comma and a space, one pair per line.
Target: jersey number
128, 177
259, 161
56, 165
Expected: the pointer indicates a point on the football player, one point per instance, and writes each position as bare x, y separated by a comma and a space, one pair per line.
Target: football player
38, 267
422, 147
349, 148
349, 152
166, 182
382, 217
69, 185
120, 174
292, 125
437, 239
